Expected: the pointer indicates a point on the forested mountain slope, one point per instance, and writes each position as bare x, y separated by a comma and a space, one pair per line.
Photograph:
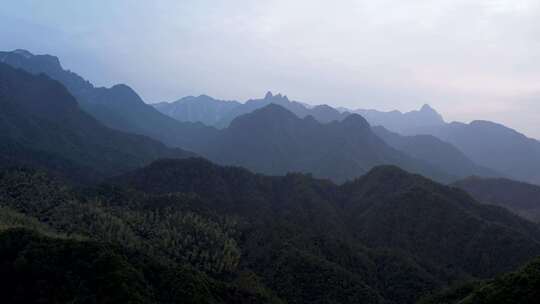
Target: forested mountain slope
273, 140
434, 151
278, 238
43, 125
426, 232
521, 198
118, 107
522, 286
493, 146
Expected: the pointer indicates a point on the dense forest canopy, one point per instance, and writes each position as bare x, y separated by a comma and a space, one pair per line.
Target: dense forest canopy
231, 233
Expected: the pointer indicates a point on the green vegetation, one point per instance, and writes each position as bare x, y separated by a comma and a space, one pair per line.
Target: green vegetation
189, 231
39, 269
264, 239
522, 287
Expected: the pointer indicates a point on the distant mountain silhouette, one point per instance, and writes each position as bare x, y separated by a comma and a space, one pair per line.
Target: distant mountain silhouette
494, 146
118, 107
521, 198
434, 151
43, 125
273, 140
321, 113
397, 121
203, 109
220, 113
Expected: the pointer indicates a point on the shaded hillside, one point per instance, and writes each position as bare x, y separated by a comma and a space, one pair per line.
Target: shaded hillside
522, 286
292, 238
104, 243
118, 107
435, 151
45, 269
521, 198
494, 146
391, 208
434, 234
272, 140
43, 125
13, 153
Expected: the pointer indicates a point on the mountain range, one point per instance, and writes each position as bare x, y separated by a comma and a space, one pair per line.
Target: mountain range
278, 202
490, 149
220, 113
493, 146
456, 148
324, 142
272, 140
43, 125
436, 232
489, 145
435, 151
400, 122
118, 107
203, 109
387, 237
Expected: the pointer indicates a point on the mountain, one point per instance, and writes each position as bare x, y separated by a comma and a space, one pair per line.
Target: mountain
386, 237
434, 151
203, 109
521, 198
390, 208
521, 286
190, 230
62, 246
493, 146
321, 113
397, 121
273, 140
118, 107
121, 108
42, 125
219, 113
325, 113
487, 144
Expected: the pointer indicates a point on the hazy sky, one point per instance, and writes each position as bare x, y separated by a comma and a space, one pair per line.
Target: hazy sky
468, 59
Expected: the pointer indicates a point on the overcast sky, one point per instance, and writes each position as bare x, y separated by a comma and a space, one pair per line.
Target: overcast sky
469, 59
